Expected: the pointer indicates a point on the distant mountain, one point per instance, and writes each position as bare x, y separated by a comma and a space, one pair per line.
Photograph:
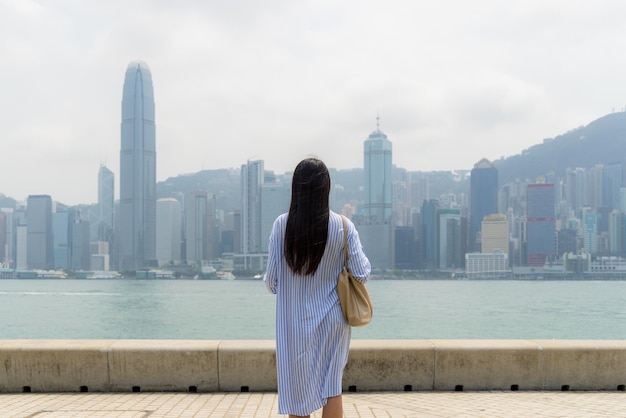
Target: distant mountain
7, 202
223, 183
603, 141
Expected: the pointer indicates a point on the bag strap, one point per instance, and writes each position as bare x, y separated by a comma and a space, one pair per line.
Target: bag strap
345, 242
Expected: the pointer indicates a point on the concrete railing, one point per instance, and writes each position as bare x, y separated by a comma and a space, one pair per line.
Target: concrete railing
373, 365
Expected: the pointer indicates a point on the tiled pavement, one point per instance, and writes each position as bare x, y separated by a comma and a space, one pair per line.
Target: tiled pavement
405, 404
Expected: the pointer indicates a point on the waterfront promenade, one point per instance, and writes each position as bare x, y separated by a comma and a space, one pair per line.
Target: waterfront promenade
361, 405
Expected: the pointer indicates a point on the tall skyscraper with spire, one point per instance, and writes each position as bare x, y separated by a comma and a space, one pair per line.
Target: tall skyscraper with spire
136, 243
375, 225
377, 170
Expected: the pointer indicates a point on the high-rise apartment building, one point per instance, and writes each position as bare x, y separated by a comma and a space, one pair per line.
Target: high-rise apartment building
483, 198
275, 199
39, 240
418, 189
252, 178
616, 234
104, 207
199, 226
540, 223
136, 237
613, 175
168, 233
595, 178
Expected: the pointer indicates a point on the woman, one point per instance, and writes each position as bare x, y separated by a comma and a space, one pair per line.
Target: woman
305, 258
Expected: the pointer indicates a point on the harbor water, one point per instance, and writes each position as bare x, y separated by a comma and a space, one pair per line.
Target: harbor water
243, 309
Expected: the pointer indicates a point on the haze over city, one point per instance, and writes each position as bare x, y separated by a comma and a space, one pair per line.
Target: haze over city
278, 81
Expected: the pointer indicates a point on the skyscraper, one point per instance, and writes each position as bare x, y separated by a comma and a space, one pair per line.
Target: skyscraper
106, 198
495, 234
540, 223
252, 178
428, 235
275, 199
483, 198
199, 226
612, 182
590, 232
168, 234
375, 224
449, 238
39, 244
137, 225
62, 240
378, 181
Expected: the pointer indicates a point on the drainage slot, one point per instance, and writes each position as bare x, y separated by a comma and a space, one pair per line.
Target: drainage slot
514, 388
193, 389
564, 388
351, 388
245, 389
136, 389
458, 388
408, 388
621, 388
84, 389
26, 389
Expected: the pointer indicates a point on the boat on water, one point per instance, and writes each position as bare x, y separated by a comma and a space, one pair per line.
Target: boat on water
103, 275
209, 272
225, 275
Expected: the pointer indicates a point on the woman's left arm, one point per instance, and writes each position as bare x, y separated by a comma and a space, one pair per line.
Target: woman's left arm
358, 262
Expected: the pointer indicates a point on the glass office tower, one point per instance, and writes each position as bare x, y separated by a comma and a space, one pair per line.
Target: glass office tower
377, 170
483, 198
137, 224
375, 225
39, 241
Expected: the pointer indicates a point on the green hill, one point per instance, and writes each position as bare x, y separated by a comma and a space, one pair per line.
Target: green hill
603, 141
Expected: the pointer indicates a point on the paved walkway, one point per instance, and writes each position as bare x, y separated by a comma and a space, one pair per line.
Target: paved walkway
362, 405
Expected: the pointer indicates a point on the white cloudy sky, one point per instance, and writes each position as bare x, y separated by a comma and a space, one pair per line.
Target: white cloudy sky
454, 81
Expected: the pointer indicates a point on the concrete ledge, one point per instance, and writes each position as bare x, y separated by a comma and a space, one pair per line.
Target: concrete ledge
163, 365
247, 366
583, 364
487, 365
373, 365
389, 365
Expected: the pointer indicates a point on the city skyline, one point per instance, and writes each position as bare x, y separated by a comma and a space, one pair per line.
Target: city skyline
483, 79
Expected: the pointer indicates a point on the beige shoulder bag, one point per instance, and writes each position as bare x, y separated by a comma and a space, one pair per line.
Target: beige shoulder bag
355, 300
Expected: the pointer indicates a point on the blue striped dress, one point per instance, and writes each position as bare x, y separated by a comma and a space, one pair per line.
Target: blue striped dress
312, 336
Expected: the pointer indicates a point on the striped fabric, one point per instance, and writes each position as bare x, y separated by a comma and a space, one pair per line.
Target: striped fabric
312, 337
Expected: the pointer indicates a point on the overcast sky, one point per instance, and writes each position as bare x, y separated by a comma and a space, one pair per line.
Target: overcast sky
278, 80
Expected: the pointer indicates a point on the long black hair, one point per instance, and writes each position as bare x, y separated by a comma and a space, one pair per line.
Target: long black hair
307, 226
